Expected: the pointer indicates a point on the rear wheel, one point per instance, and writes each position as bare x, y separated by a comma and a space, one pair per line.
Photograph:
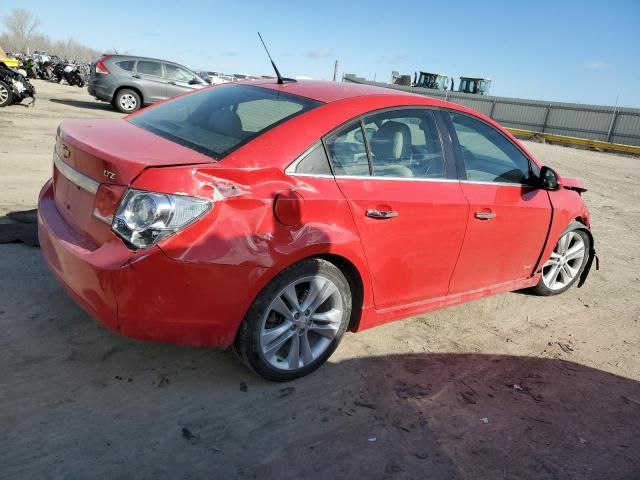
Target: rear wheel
5, 95
296, 322
566, 264
127, 101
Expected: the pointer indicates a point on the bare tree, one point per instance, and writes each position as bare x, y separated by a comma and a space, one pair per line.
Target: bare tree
21, 25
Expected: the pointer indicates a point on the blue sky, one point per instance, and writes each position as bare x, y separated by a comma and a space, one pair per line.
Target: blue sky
576, 51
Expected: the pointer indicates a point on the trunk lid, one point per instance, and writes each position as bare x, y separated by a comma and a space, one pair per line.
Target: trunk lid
115, 152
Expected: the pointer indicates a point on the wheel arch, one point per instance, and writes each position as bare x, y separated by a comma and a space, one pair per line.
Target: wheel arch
579, 224
345, 264
355, 282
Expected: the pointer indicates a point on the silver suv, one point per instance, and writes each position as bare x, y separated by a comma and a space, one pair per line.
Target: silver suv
129, 82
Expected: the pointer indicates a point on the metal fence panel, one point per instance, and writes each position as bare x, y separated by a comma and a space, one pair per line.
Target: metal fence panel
595, 122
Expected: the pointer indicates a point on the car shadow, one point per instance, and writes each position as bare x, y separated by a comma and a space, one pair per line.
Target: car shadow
20, 226
92, 105
80, 401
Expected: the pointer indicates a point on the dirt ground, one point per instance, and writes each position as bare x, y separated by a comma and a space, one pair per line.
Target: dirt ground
508, 387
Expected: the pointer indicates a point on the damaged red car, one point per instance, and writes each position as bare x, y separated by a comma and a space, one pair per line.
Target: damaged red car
273, 217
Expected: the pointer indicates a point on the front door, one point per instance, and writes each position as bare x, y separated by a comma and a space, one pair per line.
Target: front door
179, 80
508, 218
411, 216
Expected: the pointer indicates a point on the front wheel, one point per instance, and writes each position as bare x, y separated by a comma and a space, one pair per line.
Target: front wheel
296, 322
5, 95
566, 264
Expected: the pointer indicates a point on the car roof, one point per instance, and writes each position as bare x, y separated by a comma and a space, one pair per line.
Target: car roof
328, 92
121, 56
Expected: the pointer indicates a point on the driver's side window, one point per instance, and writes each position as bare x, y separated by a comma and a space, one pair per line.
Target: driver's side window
488, 156
177, 74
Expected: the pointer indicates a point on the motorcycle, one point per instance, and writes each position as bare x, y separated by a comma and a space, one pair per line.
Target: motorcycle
46, 71
69, 72
72, 75
31, 67
58, 72
15, 87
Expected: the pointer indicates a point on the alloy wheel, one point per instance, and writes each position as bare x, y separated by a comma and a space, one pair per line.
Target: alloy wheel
564, 265
128, 102
301, 322
4, 94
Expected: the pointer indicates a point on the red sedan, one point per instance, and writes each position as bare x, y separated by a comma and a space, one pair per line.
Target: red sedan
274, 217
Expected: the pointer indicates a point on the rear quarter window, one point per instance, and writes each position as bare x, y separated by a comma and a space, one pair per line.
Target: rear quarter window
126, 65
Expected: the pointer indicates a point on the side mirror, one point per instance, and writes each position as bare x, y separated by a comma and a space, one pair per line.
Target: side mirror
549, 179
194, 81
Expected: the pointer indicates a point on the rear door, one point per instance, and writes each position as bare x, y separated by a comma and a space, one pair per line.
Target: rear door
179, 80
150, 79
508, 218
406, 202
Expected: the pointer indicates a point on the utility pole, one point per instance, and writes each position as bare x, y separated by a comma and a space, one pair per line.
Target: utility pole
335, 71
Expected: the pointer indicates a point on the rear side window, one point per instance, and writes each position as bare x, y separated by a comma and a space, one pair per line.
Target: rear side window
405, 143
149, 68
126, 65
314, 162
215, 121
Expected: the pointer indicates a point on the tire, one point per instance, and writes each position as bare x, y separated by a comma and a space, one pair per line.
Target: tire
571, 264
127, 101
268, 340
6, 95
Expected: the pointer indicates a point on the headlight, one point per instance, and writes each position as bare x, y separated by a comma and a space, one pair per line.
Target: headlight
144, 218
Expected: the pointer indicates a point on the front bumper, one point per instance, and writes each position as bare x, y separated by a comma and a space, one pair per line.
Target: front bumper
145, 294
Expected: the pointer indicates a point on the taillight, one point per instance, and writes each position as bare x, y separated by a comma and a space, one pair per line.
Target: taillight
107, 201
144, 218
100, 66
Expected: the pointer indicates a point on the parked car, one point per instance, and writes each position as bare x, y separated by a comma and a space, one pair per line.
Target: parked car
9, 62
129, 83
215, 78
274, 217
15, 87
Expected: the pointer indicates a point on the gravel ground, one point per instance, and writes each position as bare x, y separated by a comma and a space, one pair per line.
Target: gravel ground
512, 386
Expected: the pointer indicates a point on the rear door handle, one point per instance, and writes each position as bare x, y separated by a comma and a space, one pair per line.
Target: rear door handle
172, 83
485, 215
381, 213
135, 76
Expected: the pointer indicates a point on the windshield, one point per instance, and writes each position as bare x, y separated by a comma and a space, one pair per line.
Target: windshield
218, 120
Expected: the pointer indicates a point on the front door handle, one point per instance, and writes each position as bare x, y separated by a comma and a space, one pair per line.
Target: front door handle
135, 76
381, 213
484, 215
172, 83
